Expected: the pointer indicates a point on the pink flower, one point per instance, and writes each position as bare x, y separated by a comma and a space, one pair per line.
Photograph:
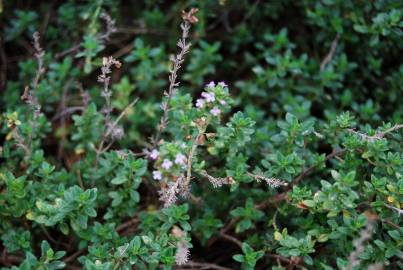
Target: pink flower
210, 85
154, 154
209, 97
215, 111
166, 164
222, 84
200, 103
222, 102
157, 175
180, 159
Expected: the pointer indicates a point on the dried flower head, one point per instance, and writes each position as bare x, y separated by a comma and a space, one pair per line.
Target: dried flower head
190, 16
168, 195
117, 133
110, 26
218, 181
182, 253
272, 182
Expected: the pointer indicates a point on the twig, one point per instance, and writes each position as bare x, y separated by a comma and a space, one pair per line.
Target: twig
177, 60
6, 259
127, 224
30, 98
231, 238
331, 53
279, 257
3, 61
202, 265
390, 223
74, 48
312, 168
68, 111
398, 210
73, 256
62, 107
365, 235
105, 78
239, 244
195, 143
110, 27
102, 37
378, 135
124, 112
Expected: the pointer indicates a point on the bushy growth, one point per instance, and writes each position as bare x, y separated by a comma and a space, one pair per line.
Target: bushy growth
211, 134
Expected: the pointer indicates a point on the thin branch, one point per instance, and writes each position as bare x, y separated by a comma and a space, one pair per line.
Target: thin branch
124, 112
312, 168
177, 60
68, 111
112, 128
378, 135
30, 98
231, 239
102, 37
330, 54
73, 256
398, 210
239, 244
195, 143
128, 224
202, 265
3, 69
6, 259
365, 235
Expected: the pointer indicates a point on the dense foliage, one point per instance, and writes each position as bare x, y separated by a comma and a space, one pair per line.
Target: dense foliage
242, 135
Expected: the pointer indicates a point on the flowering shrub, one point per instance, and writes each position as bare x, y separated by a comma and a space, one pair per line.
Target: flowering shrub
217, 137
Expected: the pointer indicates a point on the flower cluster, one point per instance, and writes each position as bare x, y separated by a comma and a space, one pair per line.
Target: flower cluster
170, 160
214, 99
171, 165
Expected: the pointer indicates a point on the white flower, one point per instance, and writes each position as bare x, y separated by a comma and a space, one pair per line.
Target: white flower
210, 85
222, 102
222, 84
182, 253
166, 164
215, 111
180, 159
157, 175
200, 103
154, 154
209, 97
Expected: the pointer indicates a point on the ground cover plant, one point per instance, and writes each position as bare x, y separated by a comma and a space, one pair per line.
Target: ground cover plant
211, 134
